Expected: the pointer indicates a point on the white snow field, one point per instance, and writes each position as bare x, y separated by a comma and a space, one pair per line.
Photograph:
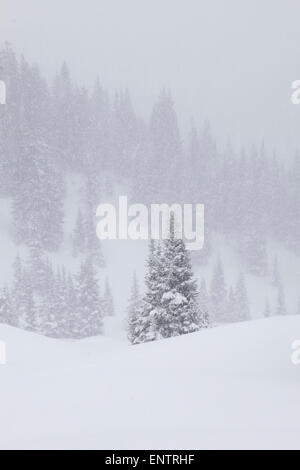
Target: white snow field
229, 387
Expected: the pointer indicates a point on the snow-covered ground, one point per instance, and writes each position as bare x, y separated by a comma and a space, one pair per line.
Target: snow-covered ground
228, 387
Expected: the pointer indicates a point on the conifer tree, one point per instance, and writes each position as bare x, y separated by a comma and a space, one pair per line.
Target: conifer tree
170, 306
203, 299
90, 308
275, 274
79, 239
39, 270
50, 308
26, 308
100, 151
74, 319
231, 306
267, 311
93, 244
62, 118
108, 301
166, 149
5, 306
151, 312
23, 312
281, 306
179, 300
38, 202
253, 250
85, 240
63, 324
134, 311
218, 293
242, 312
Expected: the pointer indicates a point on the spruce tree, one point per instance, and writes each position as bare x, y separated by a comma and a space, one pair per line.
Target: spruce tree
170, 306
182, 314
275, 274
93, 244
134, 311
38, 269
267, 311
51, 309
27, 309
90, 308
23, 311
242, 312
38, 202
218, 293
231, 306
108, 301
5, 306
253, 249
166, 152
63, 326
150, 316
79, 239
203, 299
281, 306
74, 319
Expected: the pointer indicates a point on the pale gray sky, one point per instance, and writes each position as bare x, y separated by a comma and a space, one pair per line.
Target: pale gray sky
231, 61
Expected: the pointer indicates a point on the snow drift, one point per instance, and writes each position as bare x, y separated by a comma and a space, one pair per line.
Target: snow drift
227, 387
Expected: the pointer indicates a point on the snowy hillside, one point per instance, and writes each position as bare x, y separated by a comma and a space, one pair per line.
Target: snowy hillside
227, 387
125, 257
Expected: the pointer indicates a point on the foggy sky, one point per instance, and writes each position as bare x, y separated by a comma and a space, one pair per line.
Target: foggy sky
231, 62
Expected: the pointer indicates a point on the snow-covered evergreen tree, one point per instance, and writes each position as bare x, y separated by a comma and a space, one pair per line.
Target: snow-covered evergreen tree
267, 311
276, 279
39, 269
218, 293
50, 309
281, 306
242, 312
231, 306
166, 152
93, 244
5, 306
23, 312
108, 301
73, 312
134, 311
253, 249
62, 118
151, 312
38, 202
61, 306
170, 306
203, 299
99, 143
125, 134
90, 307
85, 240
79, 238
179, 299
63, 323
